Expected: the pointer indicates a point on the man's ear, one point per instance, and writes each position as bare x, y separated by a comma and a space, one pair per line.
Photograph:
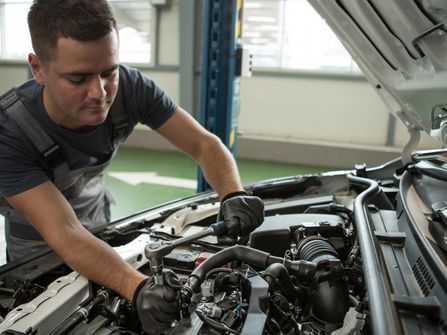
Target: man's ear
37, 68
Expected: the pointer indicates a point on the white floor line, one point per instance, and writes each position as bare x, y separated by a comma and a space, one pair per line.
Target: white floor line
135, 178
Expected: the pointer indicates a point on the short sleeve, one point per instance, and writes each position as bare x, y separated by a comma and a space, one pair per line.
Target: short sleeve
144, 99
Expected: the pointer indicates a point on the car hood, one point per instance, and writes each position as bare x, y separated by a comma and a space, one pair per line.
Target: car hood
401, 47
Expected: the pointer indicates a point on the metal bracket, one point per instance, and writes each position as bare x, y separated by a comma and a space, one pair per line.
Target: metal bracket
415, 135
439, 26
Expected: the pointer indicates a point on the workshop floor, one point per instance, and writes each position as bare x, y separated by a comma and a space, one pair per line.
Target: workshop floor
139, 179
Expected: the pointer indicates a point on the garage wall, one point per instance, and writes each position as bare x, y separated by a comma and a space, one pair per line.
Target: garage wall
299, 117
313, 109
12, 75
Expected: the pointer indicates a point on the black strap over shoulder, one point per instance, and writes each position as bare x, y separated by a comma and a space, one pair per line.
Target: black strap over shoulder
50, 151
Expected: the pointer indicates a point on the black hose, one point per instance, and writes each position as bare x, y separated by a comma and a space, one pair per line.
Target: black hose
251, 256
277, 274
219, 326
331, 302
80, 315
248, 255
69, 324
316, 249
302, 270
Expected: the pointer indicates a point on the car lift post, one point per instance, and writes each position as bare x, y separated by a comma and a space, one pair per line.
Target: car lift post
220, 73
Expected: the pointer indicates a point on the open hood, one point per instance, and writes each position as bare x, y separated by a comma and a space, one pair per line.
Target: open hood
401, 47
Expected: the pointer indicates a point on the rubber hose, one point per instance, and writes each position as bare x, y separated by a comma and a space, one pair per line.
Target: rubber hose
281, 277
330, 302
250, 256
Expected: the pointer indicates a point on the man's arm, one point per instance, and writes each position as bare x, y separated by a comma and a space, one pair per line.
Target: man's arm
215, 160
52, 216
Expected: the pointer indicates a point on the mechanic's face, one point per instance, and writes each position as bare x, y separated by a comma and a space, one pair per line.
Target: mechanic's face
80, 81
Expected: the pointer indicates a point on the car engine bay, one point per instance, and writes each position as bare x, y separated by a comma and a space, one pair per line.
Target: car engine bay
335, 255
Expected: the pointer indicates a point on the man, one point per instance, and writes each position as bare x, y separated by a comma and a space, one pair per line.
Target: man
78, 92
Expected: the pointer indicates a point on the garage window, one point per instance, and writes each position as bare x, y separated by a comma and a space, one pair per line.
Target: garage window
134, 20
290, 34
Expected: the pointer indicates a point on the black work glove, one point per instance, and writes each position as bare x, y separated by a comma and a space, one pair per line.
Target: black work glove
241, 213
157, 305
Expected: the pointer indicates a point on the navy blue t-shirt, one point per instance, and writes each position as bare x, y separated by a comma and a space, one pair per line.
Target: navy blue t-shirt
20, 169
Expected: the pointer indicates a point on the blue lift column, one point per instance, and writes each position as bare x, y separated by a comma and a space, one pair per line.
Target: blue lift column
221, 71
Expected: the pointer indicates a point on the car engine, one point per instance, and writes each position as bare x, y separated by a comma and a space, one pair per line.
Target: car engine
308, 269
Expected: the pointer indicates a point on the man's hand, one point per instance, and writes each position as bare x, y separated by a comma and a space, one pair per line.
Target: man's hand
157, 305
241, 213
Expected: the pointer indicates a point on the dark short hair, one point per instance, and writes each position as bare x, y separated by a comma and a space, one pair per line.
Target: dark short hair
82, 20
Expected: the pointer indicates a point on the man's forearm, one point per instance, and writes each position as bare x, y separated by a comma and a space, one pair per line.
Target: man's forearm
220, 169
79, 249
216, 162
97, 261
